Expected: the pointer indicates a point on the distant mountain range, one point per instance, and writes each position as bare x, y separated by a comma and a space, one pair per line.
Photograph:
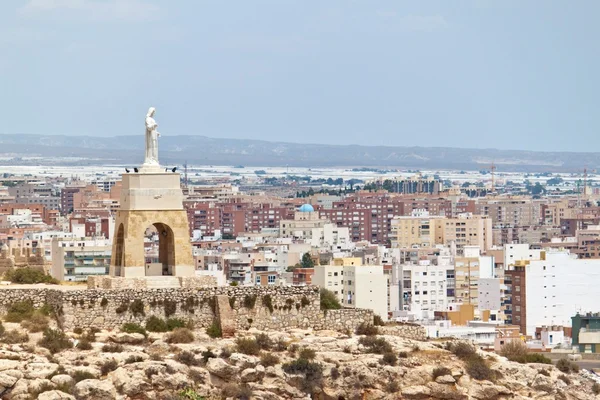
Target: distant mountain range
202, 150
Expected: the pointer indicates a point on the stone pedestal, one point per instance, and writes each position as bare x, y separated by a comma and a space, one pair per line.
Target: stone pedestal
151, 198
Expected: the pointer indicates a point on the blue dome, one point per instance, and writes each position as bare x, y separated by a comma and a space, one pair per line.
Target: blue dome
306, 208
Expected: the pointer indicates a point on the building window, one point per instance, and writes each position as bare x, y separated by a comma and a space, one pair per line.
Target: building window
271, 279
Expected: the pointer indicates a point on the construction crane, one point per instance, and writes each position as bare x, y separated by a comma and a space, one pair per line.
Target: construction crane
492, 170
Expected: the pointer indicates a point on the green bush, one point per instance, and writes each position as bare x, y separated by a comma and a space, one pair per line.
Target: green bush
19, 311
214, 330
366, 329
250, 301
389, 359
174, 323
267, 302
170, 308
375, 345
264, 341
155, 324
247, 346
566, 366
329, 300
108, 366
36, 323
28, 275
15, 337
79, 376
84, 344
187, 357
441, 371
478, 369
55, 340
131, 327
112, 348
207, 355
312, 371
463, 350
532, 358
307, 354
269, 359
180, 335
137, 307
134, 359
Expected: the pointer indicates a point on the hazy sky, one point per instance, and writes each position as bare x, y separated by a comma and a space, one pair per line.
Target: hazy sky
476, 73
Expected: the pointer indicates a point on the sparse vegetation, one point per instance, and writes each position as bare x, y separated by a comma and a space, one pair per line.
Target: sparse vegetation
312, 371
79, 376
15, 337
225, 352
104, 302
329, 300
112, 348
26, 275
122, 308
269, 359
565, 379
131, 327
132, 359
462, 350
478, 369
180, 335
236, 391
280, 345
389, 358
403, 354
187, 357
544, 372
55, 340
441, 371
207, 355
137, 307
108, 366
366, 329
264, 341
84, 344
174, 323
36, 323
20, 311
250, 301
377, 320
247, 346
170, 308
155, 324
375, 345
307, 354
267, 301
393, 387
566, 366
214, 330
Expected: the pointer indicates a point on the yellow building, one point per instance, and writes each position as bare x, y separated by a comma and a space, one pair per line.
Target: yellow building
424, 230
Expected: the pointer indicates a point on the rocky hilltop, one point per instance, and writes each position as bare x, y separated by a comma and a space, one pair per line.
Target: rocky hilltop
296, 364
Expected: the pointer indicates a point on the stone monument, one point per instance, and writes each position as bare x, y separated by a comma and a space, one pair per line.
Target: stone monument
151, 197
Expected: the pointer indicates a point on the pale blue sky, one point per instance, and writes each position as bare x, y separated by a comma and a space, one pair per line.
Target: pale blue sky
476, 73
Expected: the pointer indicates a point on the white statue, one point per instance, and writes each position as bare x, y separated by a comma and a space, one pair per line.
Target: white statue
152, 135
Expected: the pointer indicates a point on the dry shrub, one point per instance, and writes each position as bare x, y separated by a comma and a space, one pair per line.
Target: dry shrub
180, 335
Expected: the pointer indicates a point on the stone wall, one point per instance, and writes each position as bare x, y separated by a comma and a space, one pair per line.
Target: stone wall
190, 282
264, 308
409, 331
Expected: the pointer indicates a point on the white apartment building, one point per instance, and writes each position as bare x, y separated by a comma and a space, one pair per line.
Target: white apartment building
331, 237
428, 285
357, 286
558, 286
76, 259
519, 252
490, 293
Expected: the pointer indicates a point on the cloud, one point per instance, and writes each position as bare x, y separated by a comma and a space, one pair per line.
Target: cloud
95, 9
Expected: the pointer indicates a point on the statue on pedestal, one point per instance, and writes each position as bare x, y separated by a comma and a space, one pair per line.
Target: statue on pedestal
152, 135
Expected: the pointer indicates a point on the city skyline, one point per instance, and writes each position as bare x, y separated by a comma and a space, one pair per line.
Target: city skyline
480, 74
